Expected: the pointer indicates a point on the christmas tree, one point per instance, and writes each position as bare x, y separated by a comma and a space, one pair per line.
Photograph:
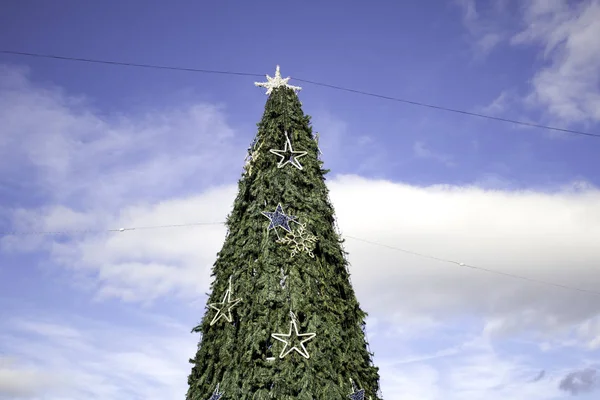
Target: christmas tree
282, 320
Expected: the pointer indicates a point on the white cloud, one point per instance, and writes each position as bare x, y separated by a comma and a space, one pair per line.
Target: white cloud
17, 382
147, 264
95, 360
70, 154
566, 37
90, 168
544, 236
567, 85
477, 371
108, 361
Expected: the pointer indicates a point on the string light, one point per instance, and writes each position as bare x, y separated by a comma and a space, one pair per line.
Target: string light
461, 264
72, 232
458, 263
335, 87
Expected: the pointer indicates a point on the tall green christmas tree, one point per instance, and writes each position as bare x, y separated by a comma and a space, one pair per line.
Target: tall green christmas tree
282, 320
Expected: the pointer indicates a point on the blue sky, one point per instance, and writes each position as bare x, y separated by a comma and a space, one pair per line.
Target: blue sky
95, 147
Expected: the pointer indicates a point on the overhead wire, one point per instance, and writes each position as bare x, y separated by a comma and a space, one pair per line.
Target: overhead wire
453, 110
460, 264
81, 231
335, 87
127, 64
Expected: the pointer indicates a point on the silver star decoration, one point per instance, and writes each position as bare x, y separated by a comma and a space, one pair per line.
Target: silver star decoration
359, 395
227, 304
277, 81
216, 395
302, 350
278, 218
288, 155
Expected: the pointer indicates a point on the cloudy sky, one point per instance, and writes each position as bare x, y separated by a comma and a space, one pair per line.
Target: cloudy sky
86, 148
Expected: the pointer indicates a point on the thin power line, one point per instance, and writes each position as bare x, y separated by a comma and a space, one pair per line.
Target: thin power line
482, 269
416, 103
524, 278
127, 64
137, 228
396, 99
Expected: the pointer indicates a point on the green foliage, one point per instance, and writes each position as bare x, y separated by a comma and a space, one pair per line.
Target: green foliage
318, 290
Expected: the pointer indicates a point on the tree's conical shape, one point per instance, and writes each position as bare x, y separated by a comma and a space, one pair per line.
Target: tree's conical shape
257, 267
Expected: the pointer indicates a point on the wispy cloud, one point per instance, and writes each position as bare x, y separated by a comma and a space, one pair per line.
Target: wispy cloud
477, 371
421, 150
70, 154
485, 33
91, 359
569, 36
566, 38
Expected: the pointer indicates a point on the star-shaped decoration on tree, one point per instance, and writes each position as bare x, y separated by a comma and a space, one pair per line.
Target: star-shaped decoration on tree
224, 308
278, 218
277, 81
216, 395
292, 343
358, 395
288, 155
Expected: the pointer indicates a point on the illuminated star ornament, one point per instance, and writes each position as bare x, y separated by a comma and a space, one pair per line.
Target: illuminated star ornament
216, 395
224, 308
274, 83
288, 343
278, 218
288, 155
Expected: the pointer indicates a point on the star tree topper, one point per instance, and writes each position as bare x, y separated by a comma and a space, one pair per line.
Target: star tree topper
281, 337
288, 155
277, 81
278, 218
227, 304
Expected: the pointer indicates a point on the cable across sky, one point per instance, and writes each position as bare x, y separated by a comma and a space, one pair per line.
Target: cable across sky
335, 87
194, 224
